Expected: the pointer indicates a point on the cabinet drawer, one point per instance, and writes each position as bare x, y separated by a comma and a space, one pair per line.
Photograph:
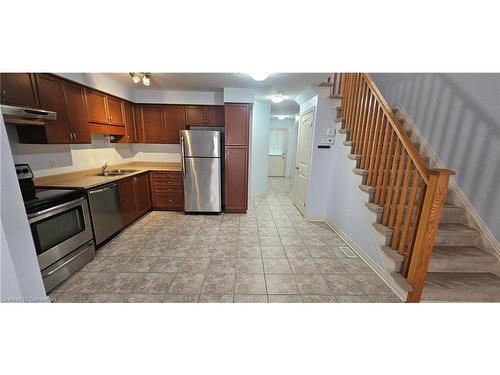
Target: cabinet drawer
169, 201
166, 175
167, 189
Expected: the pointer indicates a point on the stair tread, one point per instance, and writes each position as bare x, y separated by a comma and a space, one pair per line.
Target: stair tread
367, 188
449, 208
461, 286
336, 96
452, 229
354, 156
361, 172
467, 253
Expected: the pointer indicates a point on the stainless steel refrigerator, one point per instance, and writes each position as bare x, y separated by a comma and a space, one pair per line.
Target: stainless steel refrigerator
202, 170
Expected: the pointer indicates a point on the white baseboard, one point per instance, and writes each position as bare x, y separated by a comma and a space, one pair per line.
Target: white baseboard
489, 241
400, 292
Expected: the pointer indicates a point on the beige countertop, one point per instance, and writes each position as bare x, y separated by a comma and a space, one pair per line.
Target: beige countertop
87, 179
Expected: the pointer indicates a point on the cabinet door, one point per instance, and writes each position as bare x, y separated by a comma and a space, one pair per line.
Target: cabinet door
195, 115
97, 110
141, 187
18, 89
127, 200
215, 115
115, 111
128, 110
236, 179
51, 97
139, 124
74, 96
174, 122
152, 123
237, 122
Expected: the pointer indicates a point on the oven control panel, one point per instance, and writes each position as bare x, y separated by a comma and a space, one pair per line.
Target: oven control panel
23, 171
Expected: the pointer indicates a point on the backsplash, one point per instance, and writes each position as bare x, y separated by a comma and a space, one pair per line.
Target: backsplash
46, 160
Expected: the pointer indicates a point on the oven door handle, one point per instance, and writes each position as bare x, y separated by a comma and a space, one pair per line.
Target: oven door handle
60, 208
69, 260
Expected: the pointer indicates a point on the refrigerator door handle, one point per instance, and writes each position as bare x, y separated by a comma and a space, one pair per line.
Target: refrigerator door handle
182, 157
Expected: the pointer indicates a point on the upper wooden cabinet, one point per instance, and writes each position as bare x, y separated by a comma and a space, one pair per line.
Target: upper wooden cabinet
174, 122
51, 94
151, 123
104, 109
115, 111
18, 89
205, 115
237, 124
130, 129
77, 112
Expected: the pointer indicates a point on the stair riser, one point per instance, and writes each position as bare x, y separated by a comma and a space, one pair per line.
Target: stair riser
457, 240
452, 265
452, 216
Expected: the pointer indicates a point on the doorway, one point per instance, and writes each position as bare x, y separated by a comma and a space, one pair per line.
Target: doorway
277, 152
302, 168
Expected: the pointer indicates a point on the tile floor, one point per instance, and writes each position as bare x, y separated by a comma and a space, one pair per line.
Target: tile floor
270, 254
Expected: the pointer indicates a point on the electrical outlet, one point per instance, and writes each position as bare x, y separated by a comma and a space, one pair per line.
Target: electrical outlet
53, 163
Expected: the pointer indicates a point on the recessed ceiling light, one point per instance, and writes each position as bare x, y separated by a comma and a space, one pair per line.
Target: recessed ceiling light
259, 76
281, 117
277, 98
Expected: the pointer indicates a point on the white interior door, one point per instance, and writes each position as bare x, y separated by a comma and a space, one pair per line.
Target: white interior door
303, 158
277, 152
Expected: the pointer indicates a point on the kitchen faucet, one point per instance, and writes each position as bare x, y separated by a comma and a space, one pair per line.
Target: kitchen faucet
103, 168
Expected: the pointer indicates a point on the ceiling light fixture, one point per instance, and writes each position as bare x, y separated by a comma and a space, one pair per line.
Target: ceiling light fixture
146, 80
145, 77
281, 117
277, 98
259, 76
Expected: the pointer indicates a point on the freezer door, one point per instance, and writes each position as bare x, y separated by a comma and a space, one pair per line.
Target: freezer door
202, 185
200, 143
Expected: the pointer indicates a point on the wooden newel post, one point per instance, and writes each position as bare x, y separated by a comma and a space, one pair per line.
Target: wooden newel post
434, 199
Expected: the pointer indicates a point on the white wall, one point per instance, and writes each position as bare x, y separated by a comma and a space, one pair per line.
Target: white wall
179, 97
238, 95
291, 148
20, 277
259, 147
344, 208
459, 115
103, 83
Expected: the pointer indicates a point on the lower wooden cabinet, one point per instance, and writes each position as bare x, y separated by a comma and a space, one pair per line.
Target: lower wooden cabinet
134, 197
236, 179
167, 191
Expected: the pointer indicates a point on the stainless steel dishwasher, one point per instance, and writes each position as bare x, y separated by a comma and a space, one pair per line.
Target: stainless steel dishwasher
105, 210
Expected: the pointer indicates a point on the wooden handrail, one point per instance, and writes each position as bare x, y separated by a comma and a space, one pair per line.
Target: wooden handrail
411, 194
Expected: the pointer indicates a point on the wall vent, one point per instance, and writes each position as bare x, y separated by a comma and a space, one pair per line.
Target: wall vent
348, 252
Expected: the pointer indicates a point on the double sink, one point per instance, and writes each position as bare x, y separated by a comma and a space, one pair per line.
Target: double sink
116, 172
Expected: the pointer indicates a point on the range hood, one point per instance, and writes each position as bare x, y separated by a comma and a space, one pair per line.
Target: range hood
26, 116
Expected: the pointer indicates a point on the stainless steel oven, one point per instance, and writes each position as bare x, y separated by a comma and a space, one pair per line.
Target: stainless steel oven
63, 240
59, 230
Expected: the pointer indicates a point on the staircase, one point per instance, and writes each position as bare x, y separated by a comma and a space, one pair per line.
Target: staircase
391, 167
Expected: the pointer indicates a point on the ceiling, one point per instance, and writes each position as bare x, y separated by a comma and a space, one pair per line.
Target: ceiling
289, 84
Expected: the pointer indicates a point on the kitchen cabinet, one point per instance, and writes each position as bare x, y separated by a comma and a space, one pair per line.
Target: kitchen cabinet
130, 130
19, 89
236, 179
141, 188
134, 197
104, 109
174, 122
151, 123
127, 200
77, 112
237, 125
167, 191
205, 115
215, 115
51, 98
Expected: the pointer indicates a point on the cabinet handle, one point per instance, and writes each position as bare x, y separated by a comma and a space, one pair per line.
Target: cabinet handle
70, 136
74, 136
3, 93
